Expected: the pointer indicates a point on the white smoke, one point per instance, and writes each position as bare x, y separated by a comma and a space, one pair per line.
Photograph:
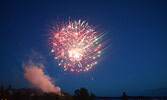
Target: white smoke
35, 75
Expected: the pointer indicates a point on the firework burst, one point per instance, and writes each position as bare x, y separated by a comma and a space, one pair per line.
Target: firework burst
76, 46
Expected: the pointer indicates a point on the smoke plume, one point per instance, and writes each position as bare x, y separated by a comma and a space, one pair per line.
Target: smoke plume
35, 75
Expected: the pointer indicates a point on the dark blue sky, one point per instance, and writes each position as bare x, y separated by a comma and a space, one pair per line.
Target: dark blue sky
137, 30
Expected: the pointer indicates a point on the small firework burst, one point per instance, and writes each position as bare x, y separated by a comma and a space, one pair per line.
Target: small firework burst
76, 46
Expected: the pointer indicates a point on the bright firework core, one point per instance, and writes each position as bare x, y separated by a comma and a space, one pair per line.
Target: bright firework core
76, 46
75, 55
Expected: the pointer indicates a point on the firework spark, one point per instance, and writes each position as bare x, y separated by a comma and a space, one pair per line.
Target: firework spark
76, 46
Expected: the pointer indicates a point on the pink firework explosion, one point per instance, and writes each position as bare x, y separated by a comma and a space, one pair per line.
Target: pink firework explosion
76, 46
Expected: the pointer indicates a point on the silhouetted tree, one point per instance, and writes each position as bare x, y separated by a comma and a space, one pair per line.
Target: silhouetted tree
92, 96
51, 96
77, 95
66, 96
84, 94
81, 94
124, 97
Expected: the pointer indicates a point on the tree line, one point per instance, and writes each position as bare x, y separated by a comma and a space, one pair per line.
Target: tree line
36, 94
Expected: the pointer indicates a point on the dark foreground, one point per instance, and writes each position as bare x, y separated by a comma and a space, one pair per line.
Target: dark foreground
80, 94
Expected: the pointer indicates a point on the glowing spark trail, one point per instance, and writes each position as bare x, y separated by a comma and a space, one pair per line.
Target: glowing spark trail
76, 46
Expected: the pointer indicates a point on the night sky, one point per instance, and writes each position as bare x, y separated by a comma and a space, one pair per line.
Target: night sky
135, 62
